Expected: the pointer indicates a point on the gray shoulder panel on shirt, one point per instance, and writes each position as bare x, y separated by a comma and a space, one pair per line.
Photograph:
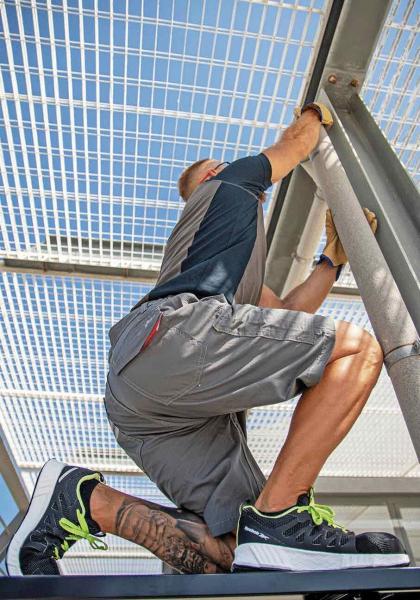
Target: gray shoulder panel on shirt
184, 231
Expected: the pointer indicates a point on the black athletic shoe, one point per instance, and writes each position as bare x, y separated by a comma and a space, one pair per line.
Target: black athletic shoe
56, 518
306, 538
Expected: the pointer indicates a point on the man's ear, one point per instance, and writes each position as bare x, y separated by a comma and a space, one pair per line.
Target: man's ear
210, 173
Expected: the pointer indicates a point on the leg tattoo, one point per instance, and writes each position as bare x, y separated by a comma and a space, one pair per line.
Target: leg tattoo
178, 537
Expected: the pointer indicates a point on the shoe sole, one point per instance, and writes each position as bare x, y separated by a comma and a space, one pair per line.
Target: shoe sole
41, 498
283, 558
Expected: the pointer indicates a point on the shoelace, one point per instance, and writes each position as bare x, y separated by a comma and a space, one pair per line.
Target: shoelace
80, 531
320, 512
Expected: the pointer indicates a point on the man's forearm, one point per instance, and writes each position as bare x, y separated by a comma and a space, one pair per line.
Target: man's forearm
295, 144
309, 295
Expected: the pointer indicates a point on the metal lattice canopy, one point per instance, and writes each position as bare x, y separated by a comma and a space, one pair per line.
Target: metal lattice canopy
102, 107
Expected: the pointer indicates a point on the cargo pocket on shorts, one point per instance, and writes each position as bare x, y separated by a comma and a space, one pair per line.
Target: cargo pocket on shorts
169, 368
277, 324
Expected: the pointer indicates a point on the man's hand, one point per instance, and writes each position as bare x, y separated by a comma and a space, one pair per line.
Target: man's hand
299, 139
323, 111
334, 249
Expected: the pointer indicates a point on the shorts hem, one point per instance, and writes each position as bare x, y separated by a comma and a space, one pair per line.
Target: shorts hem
318, 366
226, 526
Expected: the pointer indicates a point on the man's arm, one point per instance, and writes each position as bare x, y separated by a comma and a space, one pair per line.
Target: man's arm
309, 295
294, 145
306, 297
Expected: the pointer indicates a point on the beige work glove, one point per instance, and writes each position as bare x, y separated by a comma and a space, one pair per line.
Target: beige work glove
334, 249
323, 111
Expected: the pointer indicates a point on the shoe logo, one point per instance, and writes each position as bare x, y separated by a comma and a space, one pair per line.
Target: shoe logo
258, 533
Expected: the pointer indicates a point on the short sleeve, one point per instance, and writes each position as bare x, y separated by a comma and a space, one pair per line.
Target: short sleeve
252, 173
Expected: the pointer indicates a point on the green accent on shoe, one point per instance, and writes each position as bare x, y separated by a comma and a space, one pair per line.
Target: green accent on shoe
80, 531
318, 512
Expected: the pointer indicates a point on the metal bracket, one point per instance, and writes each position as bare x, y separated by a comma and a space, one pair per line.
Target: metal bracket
401, 352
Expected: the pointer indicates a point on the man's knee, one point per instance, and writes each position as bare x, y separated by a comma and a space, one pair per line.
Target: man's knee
351, 339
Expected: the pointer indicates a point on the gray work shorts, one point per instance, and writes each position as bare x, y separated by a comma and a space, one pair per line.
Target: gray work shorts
176, 407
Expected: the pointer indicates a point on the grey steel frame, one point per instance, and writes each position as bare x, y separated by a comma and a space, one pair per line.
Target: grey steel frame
11, 475
384, 186
381, 183
243, 585
349, 45
383, 300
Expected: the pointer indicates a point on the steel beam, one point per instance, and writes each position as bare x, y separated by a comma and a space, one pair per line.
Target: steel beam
283, 251
383, 185
368, 486
386, 309
295, 194
133, 471
8, 532
59, 269
348, 42
354, 43
325, 485
89, 258
246, 585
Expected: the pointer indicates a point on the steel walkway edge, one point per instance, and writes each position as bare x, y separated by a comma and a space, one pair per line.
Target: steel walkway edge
250, 584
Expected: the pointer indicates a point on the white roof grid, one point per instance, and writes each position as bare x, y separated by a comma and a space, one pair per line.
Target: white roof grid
41, 383
54, 330
378, 445
101, 112
391, 87
71, 430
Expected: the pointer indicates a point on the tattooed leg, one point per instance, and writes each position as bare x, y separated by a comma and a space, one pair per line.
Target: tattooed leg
178, 537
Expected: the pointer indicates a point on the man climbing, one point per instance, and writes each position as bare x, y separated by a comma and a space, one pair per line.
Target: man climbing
207, 343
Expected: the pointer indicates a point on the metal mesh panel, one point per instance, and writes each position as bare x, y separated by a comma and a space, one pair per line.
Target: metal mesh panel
101, 111
54, 331
391, 88
110, 564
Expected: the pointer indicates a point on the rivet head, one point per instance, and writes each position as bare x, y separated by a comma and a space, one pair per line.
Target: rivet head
332, 78
354, 82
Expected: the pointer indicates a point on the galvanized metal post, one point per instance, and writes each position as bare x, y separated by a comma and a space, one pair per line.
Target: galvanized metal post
309, 240
350, 36
388, 314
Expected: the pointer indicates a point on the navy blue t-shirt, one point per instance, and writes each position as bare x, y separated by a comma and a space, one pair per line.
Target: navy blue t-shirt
218, 245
